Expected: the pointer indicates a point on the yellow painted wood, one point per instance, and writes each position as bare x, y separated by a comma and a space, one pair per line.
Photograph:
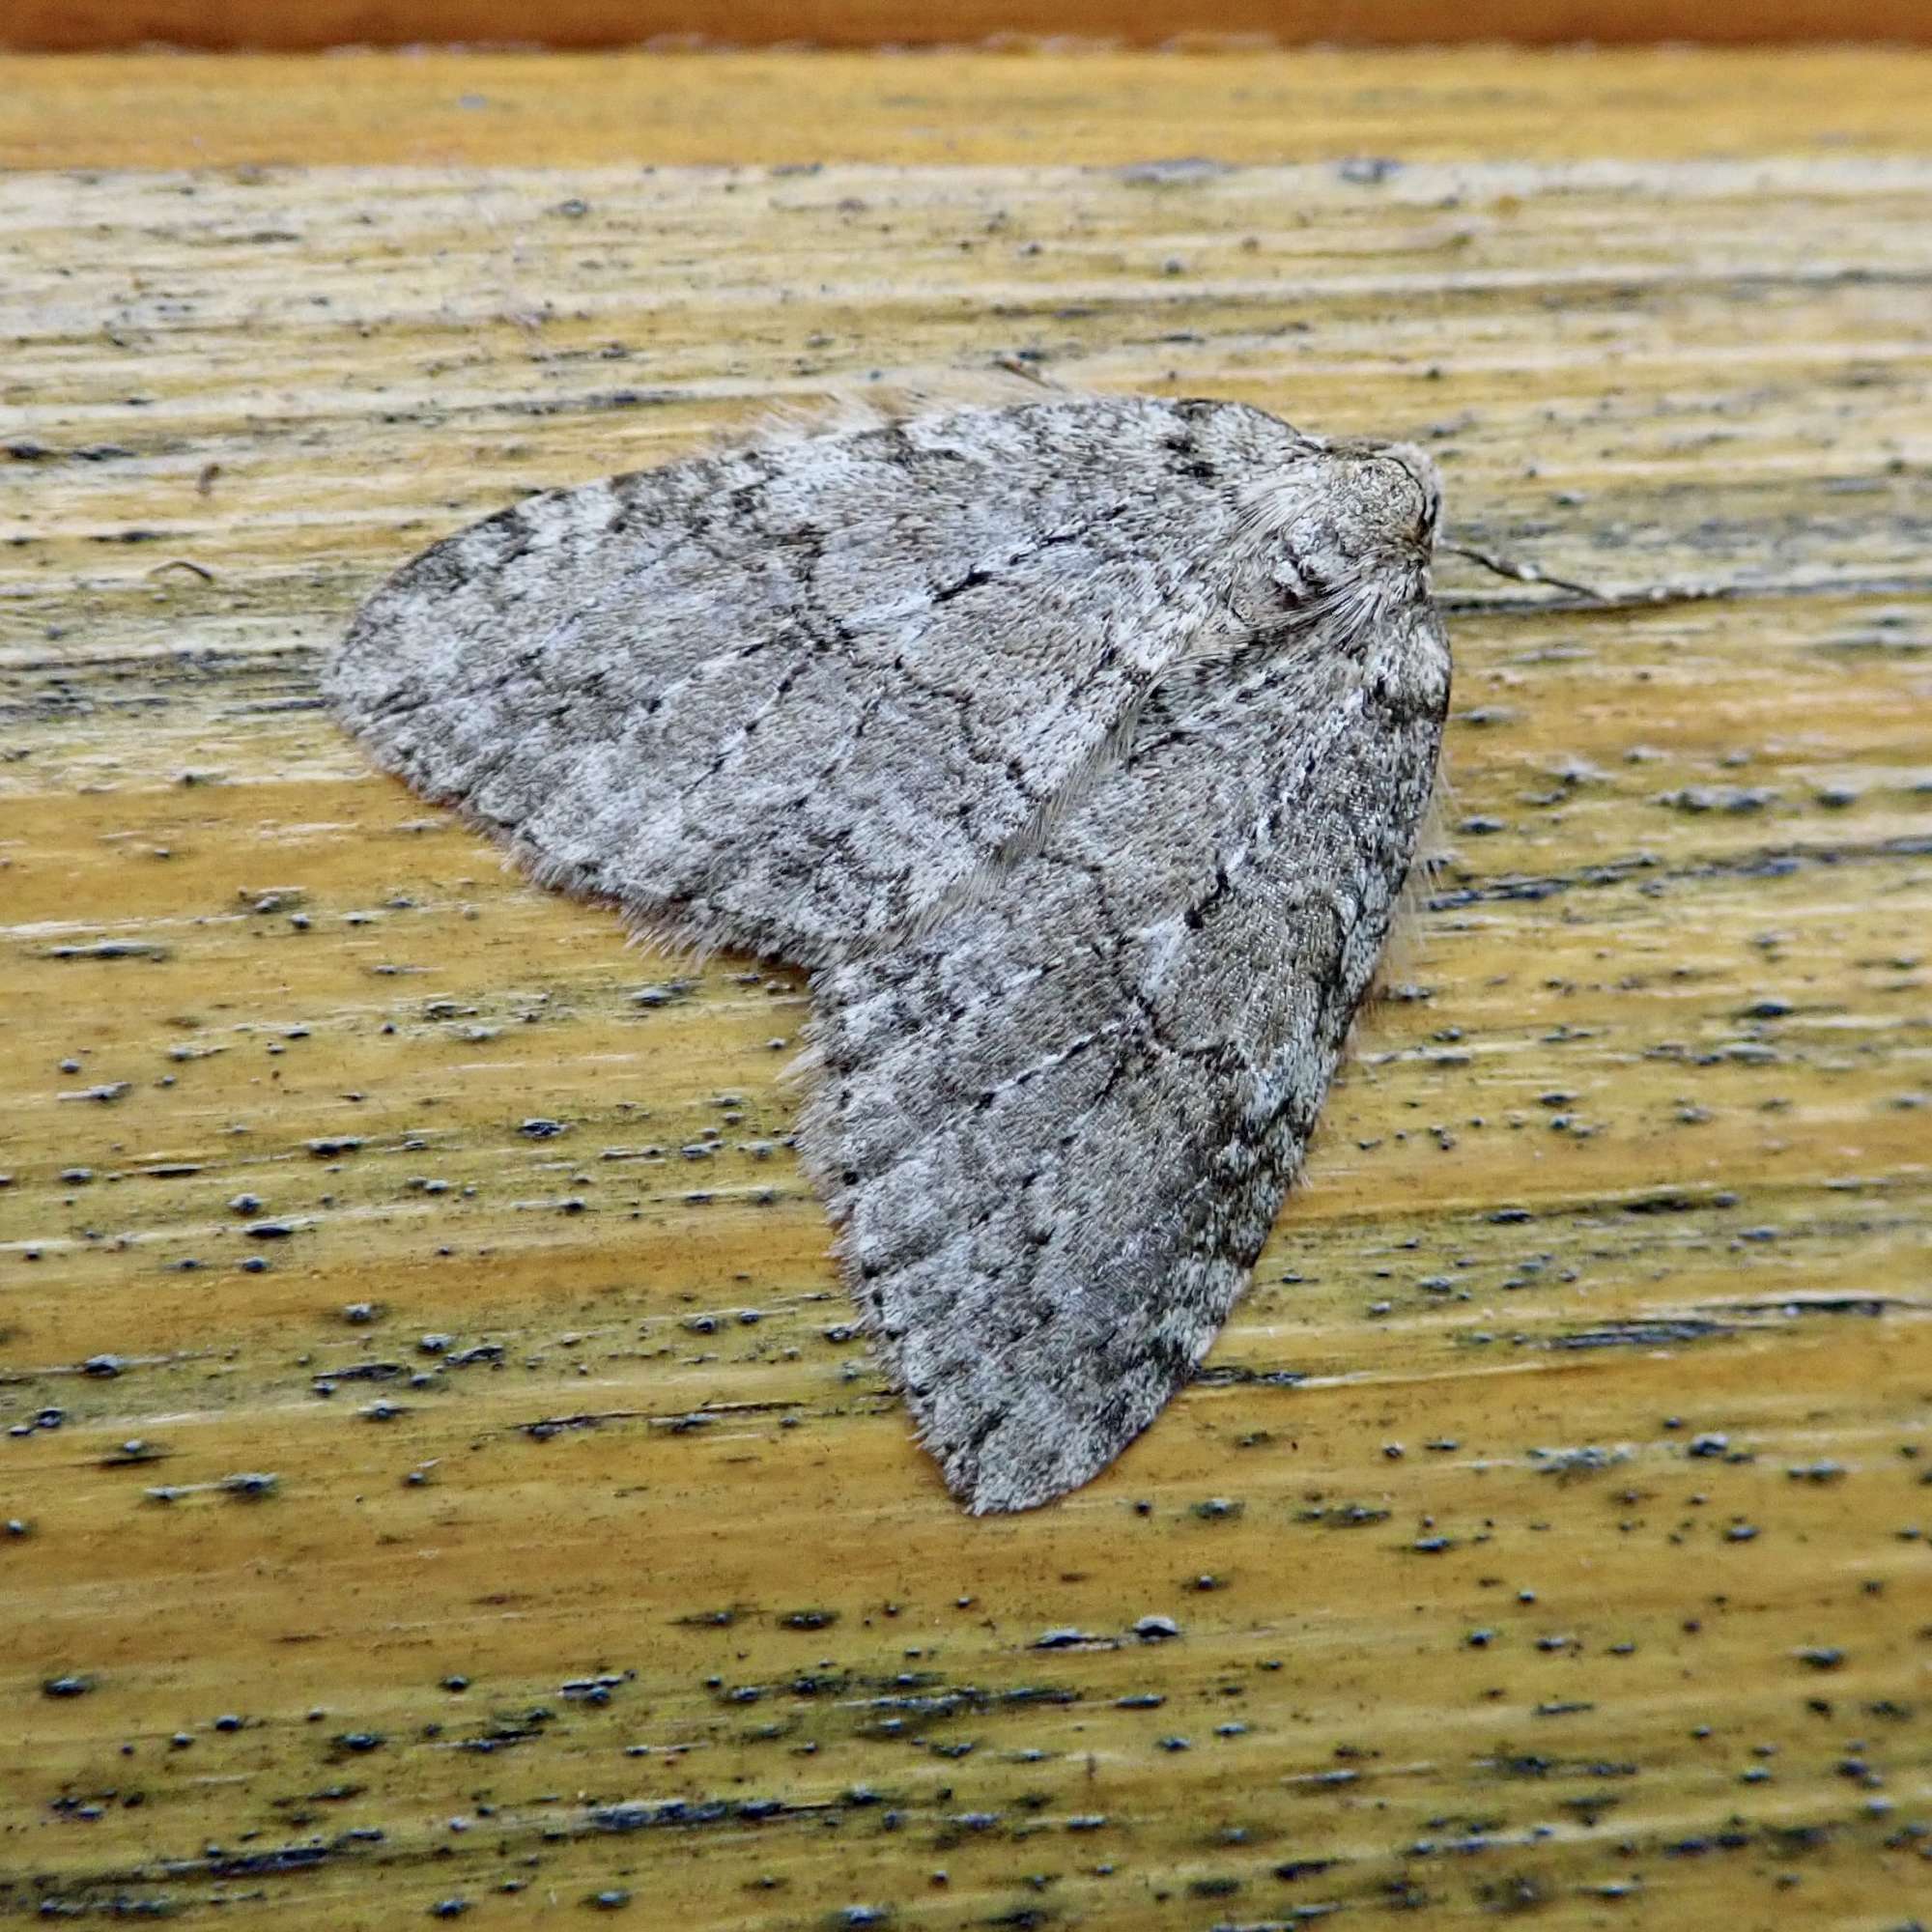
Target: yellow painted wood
444, 109
417, 1343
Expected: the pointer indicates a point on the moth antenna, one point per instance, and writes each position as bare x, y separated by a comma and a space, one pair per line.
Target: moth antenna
1029, 373
1523, 572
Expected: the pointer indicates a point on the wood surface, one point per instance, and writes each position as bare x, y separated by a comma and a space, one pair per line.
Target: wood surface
93, 25
1099, 110
438, 1469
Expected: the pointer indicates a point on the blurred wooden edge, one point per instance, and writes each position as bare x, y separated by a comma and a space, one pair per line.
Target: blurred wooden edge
454, 108
73, 26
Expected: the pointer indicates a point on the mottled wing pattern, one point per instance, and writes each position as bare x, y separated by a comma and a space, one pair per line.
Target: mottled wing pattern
786, 697
1055, 1129
1079, 748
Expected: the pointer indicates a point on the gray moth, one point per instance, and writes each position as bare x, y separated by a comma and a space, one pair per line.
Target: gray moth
1079, 751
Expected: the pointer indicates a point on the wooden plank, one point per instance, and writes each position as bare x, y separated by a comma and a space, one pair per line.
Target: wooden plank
438, 1464
447, 110
73, 26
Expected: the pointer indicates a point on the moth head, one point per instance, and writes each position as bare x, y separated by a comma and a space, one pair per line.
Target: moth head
1402, 489
1351, 523
1382, 503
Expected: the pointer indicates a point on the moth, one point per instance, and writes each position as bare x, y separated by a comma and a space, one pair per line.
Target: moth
1077, 750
